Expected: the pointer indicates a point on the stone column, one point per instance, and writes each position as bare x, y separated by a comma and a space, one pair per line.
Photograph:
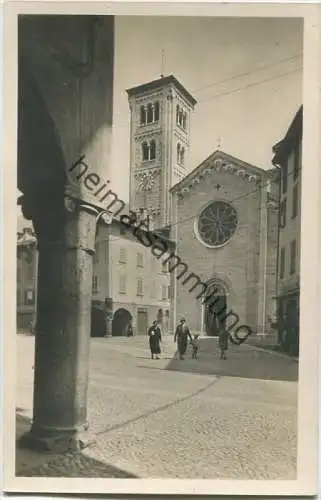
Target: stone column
66, 242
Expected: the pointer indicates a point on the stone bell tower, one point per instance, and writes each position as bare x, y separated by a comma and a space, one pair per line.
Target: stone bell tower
159, 145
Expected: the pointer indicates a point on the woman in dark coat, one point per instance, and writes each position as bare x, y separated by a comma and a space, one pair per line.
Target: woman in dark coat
155, 339
182, 335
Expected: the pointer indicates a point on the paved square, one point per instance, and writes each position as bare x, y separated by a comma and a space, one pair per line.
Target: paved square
178, 419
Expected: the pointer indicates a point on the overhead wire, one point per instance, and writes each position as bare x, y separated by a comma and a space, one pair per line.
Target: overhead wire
276, 77
247, 73
236, 77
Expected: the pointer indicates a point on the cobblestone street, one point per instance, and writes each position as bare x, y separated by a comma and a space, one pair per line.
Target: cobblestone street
166, 418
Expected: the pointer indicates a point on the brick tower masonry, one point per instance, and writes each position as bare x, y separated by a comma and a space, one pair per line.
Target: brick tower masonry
159, 145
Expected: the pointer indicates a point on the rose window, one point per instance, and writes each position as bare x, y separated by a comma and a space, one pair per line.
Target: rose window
217, 223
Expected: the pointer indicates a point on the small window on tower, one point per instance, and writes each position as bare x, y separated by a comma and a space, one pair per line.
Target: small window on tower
185, 121
177, 113
150, 113
142, 115
178, 152
182, 158
152, 150
156, 111
145, 151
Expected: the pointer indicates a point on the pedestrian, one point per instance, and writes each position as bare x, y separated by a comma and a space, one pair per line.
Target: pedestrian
223, 342
195, 346
155, 338
181, 336
130, 332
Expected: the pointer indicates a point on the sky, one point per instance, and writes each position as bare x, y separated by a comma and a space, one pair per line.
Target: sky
246, 75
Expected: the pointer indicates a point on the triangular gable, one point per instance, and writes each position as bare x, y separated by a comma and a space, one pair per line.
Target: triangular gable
218, 161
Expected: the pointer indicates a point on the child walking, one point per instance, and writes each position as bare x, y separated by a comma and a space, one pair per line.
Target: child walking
195, 346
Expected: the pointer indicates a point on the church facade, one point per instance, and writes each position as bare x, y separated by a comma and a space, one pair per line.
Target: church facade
224, 224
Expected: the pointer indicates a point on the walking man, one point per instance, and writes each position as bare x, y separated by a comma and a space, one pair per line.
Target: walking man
181, 336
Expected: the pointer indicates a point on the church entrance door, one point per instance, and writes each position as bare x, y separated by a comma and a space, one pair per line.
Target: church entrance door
215, 312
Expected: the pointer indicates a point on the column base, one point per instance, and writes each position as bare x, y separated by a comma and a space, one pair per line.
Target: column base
57, 441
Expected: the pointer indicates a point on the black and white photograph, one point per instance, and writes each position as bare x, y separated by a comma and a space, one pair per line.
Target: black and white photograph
159, 324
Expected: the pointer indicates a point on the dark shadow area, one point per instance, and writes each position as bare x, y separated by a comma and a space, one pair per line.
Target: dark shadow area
273, 348
148, 357
73, 464
243, 361
98, 322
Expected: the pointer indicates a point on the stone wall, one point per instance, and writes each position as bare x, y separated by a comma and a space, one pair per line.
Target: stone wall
241, 263
234, 262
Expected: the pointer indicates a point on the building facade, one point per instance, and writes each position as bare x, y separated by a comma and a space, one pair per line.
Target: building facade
224, 212
135, 281
288, 157
127, 274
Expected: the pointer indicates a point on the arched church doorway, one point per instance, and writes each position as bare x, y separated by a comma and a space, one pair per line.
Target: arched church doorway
121, 320
215, 310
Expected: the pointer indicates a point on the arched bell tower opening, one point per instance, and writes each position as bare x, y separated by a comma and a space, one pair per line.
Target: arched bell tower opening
215, 310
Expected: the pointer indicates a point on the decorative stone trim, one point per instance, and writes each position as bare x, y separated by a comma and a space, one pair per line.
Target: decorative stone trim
217, 166
154, 133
